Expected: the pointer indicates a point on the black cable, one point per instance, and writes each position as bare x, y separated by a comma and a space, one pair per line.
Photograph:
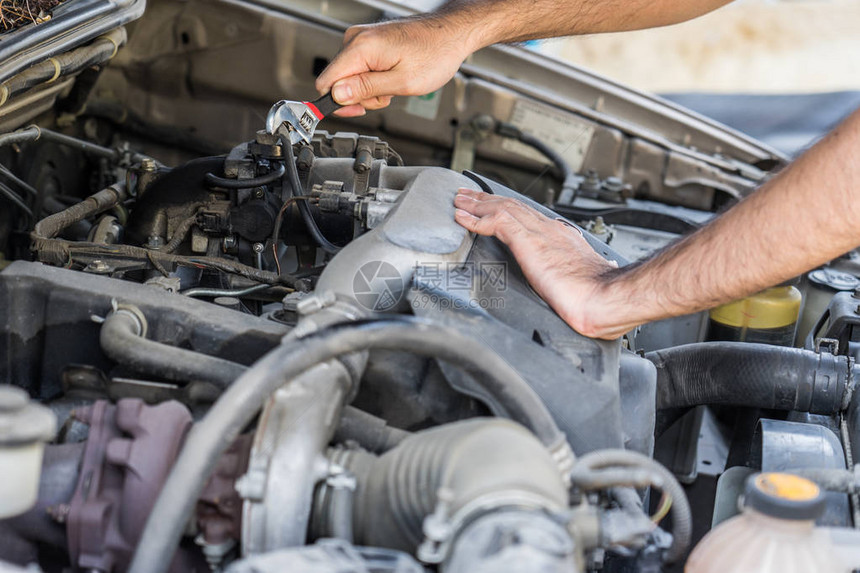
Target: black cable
291, 180
34, 132
266, 179
18, 181
9, 194
511, 131
278, 221
243, 399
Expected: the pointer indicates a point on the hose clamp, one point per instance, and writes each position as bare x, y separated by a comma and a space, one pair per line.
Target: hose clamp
442, 527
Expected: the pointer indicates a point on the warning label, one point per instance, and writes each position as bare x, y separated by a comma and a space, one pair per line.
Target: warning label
567, 135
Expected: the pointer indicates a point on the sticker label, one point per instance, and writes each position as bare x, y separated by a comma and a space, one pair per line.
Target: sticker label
425, 106
569, 136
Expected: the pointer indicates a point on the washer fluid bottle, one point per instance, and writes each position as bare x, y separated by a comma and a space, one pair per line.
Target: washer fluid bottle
769, 317
775, 533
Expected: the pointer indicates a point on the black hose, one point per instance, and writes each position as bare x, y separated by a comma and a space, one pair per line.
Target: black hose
98, 52
30, 133
244, 398
122, 338
266, 179
509, 130
107, 198
617, 463
292, 181
18, 181
59, 252
753, 375
15, 199
368, 431
33, 132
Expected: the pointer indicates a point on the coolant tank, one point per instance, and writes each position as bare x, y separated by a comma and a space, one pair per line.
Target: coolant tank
775, 532
768, 317
25, 426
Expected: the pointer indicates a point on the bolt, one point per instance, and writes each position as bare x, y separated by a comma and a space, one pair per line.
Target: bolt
228, 243
483, 122
614, 184
148, 164
154, 242
259, 247
259, 193
98, 266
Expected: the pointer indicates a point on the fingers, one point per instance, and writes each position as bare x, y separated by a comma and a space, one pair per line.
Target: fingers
351, 111
347, 63
507, 219
371, 86
486, 205
481, 226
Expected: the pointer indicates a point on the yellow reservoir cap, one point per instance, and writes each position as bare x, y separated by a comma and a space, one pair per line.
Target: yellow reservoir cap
787, 486
772, 308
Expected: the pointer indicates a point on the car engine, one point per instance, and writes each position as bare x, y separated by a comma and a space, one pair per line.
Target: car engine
291, 357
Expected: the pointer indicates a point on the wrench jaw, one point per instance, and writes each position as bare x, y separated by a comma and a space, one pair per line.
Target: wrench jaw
294, 118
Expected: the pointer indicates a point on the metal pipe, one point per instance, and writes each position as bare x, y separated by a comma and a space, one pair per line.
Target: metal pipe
244, 398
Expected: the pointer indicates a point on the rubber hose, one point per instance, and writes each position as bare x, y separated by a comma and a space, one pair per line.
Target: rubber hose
477, 459
682, 517
121, 339
21, 136
13, 198
266, 179
244, 398
100, 51
370, 432
565, 173
292, 181
107, 198
753, 375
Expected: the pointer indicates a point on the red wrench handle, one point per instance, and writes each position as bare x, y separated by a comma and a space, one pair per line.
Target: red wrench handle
323, 106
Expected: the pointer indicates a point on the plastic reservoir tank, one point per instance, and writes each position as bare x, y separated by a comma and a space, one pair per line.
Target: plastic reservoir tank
24, 427
776, 533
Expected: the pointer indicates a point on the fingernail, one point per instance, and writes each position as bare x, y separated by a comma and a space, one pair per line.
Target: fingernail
342, 93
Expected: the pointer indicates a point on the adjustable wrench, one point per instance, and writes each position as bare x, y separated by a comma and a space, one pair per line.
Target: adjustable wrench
299, 118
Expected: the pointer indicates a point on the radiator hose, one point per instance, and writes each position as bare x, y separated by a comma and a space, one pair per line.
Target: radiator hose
752, 375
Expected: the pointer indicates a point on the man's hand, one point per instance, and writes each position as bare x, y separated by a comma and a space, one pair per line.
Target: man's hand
555, 258
417, 55
405, 57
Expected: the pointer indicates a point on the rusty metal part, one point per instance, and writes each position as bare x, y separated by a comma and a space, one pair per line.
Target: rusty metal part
130, 450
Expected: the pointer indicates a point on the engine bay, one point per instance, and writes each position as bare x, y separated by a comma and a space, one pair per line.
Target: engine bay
273, 356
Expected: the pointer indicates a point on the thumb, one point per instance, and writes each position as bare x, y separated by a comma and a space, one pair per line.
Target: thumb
367, 85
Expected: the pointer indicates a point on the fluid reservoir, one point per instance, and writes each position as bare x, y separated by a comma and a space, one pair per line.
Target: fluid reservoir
25, 426
768, 317
775, 533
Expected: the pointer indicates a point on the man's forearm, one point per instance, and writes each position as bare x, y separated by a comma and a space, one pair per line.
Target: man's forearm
804, 217
485, 22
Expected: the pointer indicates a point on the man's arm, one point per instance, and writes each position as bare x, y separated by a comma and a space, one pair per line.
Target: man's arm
418, 55
804, 217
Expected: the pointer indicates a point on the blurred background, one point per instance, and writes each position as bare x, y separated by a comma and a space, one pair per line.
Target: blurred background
784, 71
